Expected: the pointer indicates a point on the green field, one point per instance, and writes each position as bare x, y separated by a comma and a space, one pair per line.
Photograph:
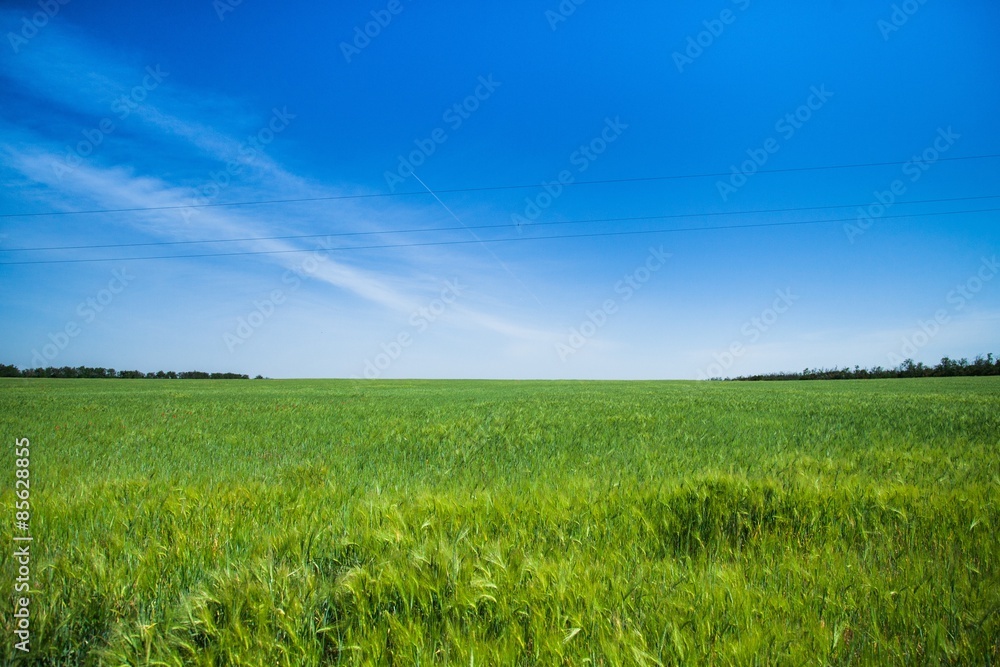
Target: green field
507, 523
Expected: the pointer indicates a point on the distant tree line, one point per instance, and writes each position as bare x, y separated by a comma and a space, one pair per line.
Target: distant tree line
11, 371
908, 369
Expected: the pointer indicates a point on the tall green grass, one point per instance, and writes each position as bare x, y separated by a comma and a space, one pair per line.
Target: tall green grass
505, 523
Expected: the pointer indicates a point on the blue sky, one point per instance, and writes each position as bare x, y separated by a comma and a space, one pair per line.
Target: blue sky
170, 108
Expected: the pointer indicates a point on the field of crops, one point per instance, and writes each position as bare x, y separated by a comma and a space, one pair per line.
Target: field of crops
507, 523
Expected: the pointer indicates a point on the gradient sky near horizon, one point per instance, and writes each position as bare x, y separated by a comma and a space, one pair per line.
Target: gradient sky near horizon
176, 111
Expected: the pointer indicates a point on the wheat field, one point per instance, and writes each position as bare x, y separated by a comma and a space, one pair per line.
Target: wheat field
193, 522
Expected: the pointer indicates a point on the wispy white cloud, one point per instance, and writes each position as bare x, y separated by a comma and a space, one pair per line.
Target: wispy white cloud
77, 78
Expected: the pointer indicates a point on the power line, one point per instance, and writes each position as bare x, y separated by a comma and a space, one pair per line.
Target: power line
503, 226
479, 189
507, 240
